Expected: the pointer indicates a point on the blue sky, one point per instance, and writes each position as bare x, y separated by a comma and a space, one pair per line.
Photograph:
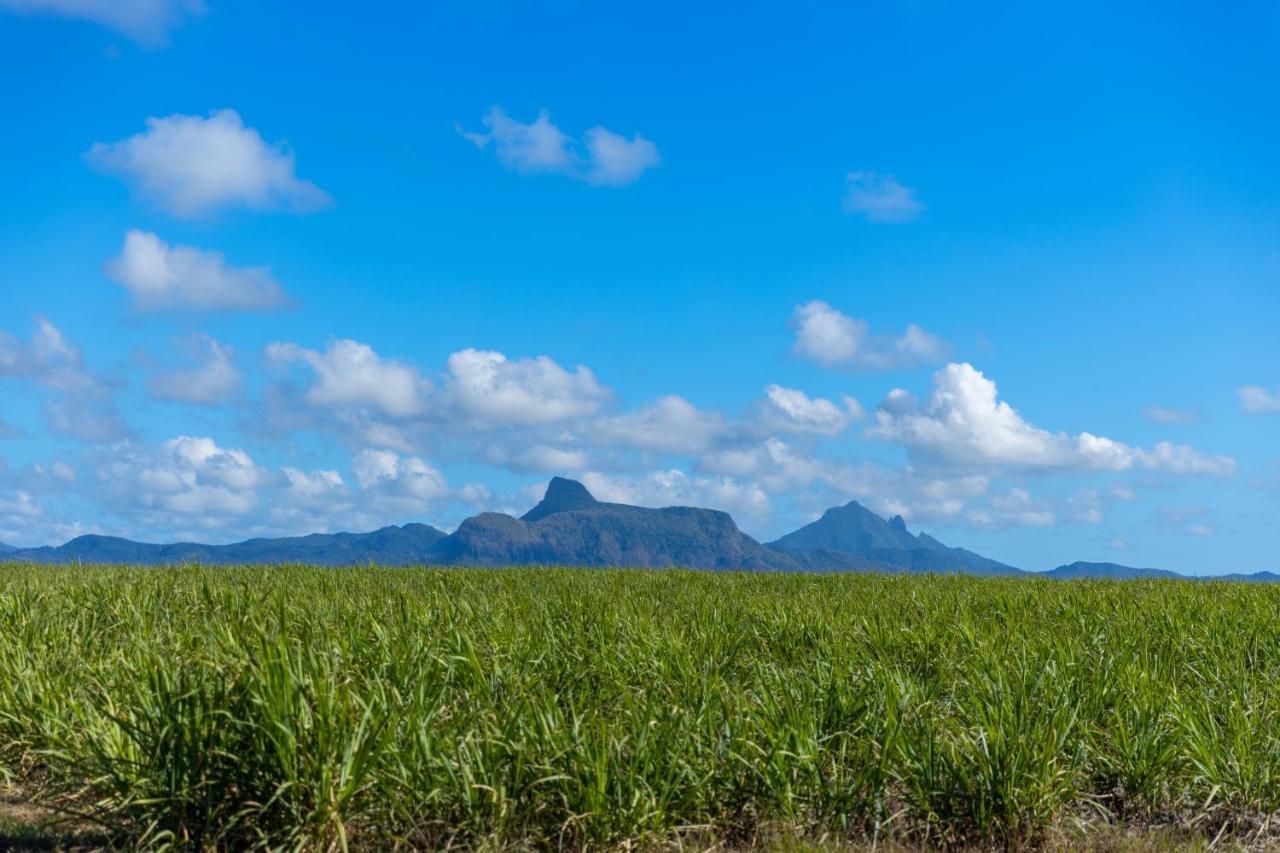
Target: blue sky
1009, 272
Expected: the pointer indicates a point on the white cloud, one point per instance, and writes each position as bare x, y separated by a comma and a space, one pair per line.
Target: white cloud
791, 411
192, 166
147, 22
615, 160
491, 390
1014, 508
186, 476
82, 403
163, 277
550, 460
19, 505
772, 464
399, 484
1122, 492
1085, 506
214, 381
312, 501
531, 148
314, 487
1183, 459
880, 198
963, 422
190, 487
540, 147
351, 374
1259, 401
833, 338
908, 491
675, 488
1168, 415
669, 425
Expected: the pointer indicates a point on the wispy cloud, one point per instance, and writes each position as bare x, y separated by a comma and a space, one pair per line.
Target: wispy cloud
601, 158
147, 22
1168, 415
214, 380
880, 198
1257, 400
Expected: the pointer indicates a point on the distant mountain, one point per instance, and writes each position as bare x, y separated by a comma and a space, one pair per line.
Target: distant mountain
390, 546
570, 527
1256, 577
1108, 570
854, 537
1114, 571
561, 496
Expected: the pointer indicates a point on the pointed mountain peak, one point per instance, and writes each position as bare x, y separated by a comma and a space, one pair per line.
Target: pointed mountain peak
562, 495
898, 523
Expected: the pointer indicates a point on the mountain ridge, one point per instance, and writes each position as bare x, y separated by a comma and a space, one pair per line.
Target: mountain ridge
569, 526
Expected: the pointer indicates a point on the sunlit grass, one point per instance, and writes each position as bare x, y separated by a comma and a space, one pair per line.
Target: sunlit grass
301, 707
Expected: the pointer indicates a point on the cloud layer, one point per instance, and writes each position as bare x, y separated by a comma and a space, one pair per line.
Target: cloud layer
970, 457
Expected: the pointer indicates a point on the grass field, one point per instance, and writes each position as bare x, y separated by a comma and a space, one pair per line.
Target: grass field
367, 707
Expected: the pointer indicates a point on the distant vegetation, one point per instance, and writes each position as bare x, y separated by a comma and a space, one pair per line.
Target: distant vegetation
558, 708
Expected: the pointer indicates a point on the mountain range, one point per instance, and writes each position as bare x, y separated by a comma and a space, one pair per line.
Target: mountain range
570, 527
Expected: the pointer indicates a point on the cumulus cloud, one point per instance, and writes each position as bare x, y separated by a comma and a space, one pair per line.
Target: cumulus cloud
834, 339
669, 425
81, 402
603, 158
310, 501
880, 198
163, 277
192, 166
214, 380
189, 476
351, 374
402, 484
787, 410
147, 22
489, 389
772, 464
963, 422
193, 486
1257, 400
615, 161
484, 404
